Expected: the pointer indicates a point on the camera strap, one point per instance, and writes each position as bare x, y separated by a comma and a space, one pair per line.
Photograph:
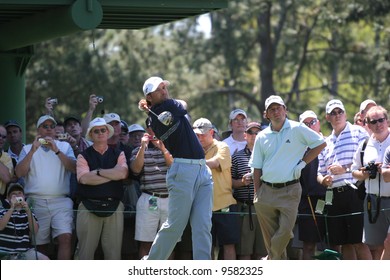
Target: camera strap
372, 219
362, 151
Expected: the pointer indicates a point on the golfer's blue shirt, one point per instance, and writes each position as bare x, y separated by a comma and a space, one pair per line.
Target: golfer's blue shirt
182, 141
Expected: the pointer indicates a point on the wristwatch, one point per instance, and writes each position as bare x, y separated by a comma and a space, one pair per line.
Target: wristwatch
348, 170
98, 172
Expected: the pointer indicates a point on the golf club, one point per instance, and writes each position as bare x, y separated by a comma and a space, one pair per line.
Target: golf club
165, 117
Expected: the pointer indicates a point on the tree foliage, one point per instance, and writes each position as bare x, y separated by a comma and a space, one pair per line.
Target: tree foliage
307, 51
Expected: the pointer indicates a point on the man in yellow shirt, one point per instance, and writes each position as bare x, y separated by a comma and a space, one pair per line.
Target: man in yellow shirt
225, 226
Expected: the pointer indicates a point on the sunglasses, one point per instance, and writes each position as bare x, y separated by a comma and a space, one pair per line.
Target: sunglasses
250, 132
47, 126
335, 113
381, 120
3, 136
311, 123
101, 130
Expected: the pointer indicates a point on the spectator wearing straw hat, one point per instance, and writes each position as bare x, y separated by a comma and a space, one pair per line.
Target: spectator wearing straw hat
100, 171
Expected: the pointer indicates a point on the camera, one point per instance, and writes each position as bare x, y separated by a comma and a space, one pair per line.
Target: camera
19, 199
100, 99
153, 138
372, 169
53, 101
62, 136
42, 141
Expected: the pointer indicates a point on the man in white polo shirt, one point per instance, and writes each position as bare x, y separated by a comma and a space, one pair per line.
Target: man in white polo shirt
277, 160
46, 166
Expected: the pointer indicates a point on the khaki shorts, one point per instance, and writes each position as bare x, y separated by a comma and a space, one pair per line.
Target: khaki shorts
54, 215
148, 219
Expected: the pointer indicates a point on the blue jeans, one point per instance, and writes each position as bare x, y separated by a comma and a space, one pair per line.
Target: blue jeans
190, 189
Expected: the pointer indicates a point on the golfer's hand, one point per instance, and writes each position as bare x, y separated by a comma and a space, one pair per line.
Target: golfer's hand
143, 105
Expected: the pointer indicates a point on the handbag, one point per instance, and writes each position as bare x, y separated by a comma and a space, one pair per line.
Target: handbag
101, 208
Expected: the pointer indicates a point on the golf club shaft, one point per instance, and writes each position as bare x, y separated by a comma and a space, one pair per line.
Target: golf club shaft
152, 112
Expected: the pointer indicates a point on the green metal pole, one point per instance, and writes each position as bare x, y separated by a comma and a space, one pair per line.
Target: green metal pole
12, 85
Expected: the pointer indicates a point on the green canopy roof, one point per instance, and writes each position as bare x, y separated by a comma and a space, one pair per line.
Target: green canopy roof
24, 22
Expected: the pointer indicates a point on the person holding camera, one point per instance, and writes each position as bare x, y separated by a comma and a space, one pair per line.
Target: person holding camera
334, 172
376, 222
46, 166
18, 225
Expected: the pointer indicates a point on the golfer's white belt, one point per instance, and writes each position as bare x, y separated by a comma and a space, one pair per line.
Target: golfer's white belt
190, 161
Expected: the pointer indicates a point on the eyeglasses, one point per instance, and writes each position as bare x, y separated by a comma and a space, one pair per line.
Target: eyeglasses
101, 130
250, 132
46, 126
335, 113
311, 123
239, 120
381, 120
3, 136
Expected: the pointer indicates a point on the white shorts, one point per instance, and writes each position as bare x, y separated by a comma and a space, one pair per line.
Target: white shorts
148, 220
54, 215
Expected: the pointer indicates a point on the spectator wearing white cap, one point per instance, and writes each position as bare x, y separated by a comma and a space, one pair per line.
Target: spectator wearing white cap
46, 166
277, 160
100, 172
311, 227
114, 120
136, 132
188, 180
364, 107
225, 229
237, 123
334, 172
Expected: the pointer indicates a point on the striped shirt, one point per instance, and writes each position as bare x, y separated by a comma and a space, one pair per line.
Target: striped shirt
341, 150
240, 167
153, 174
15, 237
